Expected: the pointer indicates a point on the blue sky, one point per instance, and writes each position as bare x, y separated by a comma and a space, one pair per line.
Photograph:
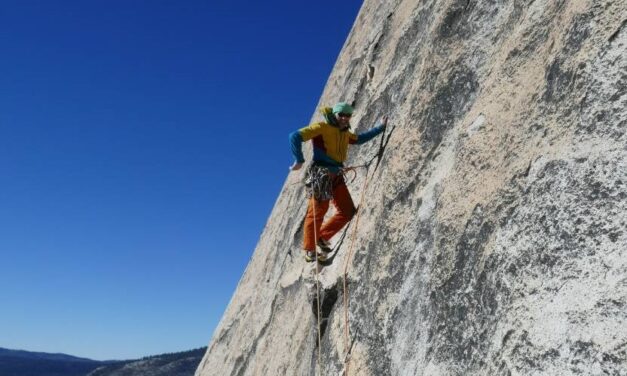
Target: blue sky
142, 147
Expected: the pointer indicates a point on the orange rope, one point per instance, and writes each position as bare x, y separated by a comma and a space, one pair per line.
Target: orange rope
313, 200
350, 253
346, 264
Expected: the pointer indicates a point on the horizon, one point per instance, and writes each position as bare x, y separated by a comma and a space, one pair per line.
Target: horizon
144, 146
102, 361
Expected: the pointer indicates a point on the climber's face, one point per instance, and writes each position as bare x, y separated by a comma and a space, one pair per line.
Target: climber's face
343, 119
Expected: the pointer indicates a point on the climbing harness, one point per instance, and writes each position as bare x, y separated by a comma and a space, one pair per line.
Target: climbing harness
319, 183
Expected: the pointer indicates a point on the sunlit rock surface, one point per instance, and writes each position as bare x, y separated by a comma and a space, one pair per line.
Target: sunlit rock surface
491, 238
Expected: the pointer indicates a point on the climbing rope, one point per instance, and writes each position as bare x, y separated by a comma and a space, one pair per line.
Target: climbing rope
313, 200
347, 342
324, 187
343, 172
347, 347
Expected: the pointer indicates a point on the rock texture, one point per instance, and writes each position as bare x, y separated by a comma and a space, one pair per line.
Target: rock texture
492, 234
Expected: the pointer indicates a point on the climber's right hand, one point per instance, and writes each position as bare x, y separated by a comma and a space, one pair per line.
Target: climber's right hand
296, 166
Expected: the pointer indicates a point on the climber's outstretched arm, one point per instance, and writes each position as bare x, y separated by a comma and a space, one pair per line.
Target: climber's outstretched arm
369, 135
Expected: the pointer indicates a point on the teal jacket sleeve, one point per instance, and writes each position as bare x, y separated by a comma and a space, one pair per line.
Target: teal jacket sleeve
296, 144
367, 136
302, 135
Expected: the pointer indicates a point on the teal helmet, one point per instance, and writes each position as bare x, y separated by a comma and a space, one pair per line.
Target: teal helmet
343, 108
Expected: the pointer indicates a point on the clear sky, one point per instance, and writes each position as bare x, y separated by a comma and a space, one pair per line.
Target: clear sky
142, 147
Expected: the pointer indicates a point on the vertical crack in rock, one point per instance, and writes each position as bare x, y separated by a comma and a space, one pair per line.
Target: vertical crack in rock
328, 299
620, 28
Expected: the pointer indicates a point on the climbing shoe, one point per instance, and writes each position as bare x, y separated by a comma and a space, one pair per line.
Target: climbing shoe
323, 256
310, 256
324, 246
325, 249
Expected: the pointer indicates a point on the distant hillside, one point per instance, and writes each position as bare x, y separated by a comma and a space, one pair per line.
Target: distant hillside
40, 355
24, 363
173, 364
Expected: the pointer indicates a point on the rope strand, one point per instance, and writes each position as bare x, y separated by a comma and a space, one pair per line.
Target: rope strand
313, 200
346, 265
347, 345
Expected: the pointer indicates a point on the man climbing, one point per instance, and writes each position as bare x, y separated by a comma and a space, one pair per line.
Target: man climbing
324, 178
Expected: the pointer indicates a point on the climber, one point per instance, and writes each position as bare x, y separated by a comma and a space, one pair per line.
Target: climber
324, 177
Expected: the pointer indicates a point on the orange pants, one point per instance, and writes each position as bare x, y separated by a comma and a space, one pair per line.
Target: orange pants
344, 211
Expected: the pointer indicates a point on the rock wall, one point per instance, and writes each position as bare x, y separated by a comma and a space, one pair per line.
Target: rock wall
491, 237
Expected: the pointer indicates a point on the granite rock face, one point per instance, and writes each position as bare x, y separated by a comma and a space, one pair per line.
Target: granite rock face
491, 239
